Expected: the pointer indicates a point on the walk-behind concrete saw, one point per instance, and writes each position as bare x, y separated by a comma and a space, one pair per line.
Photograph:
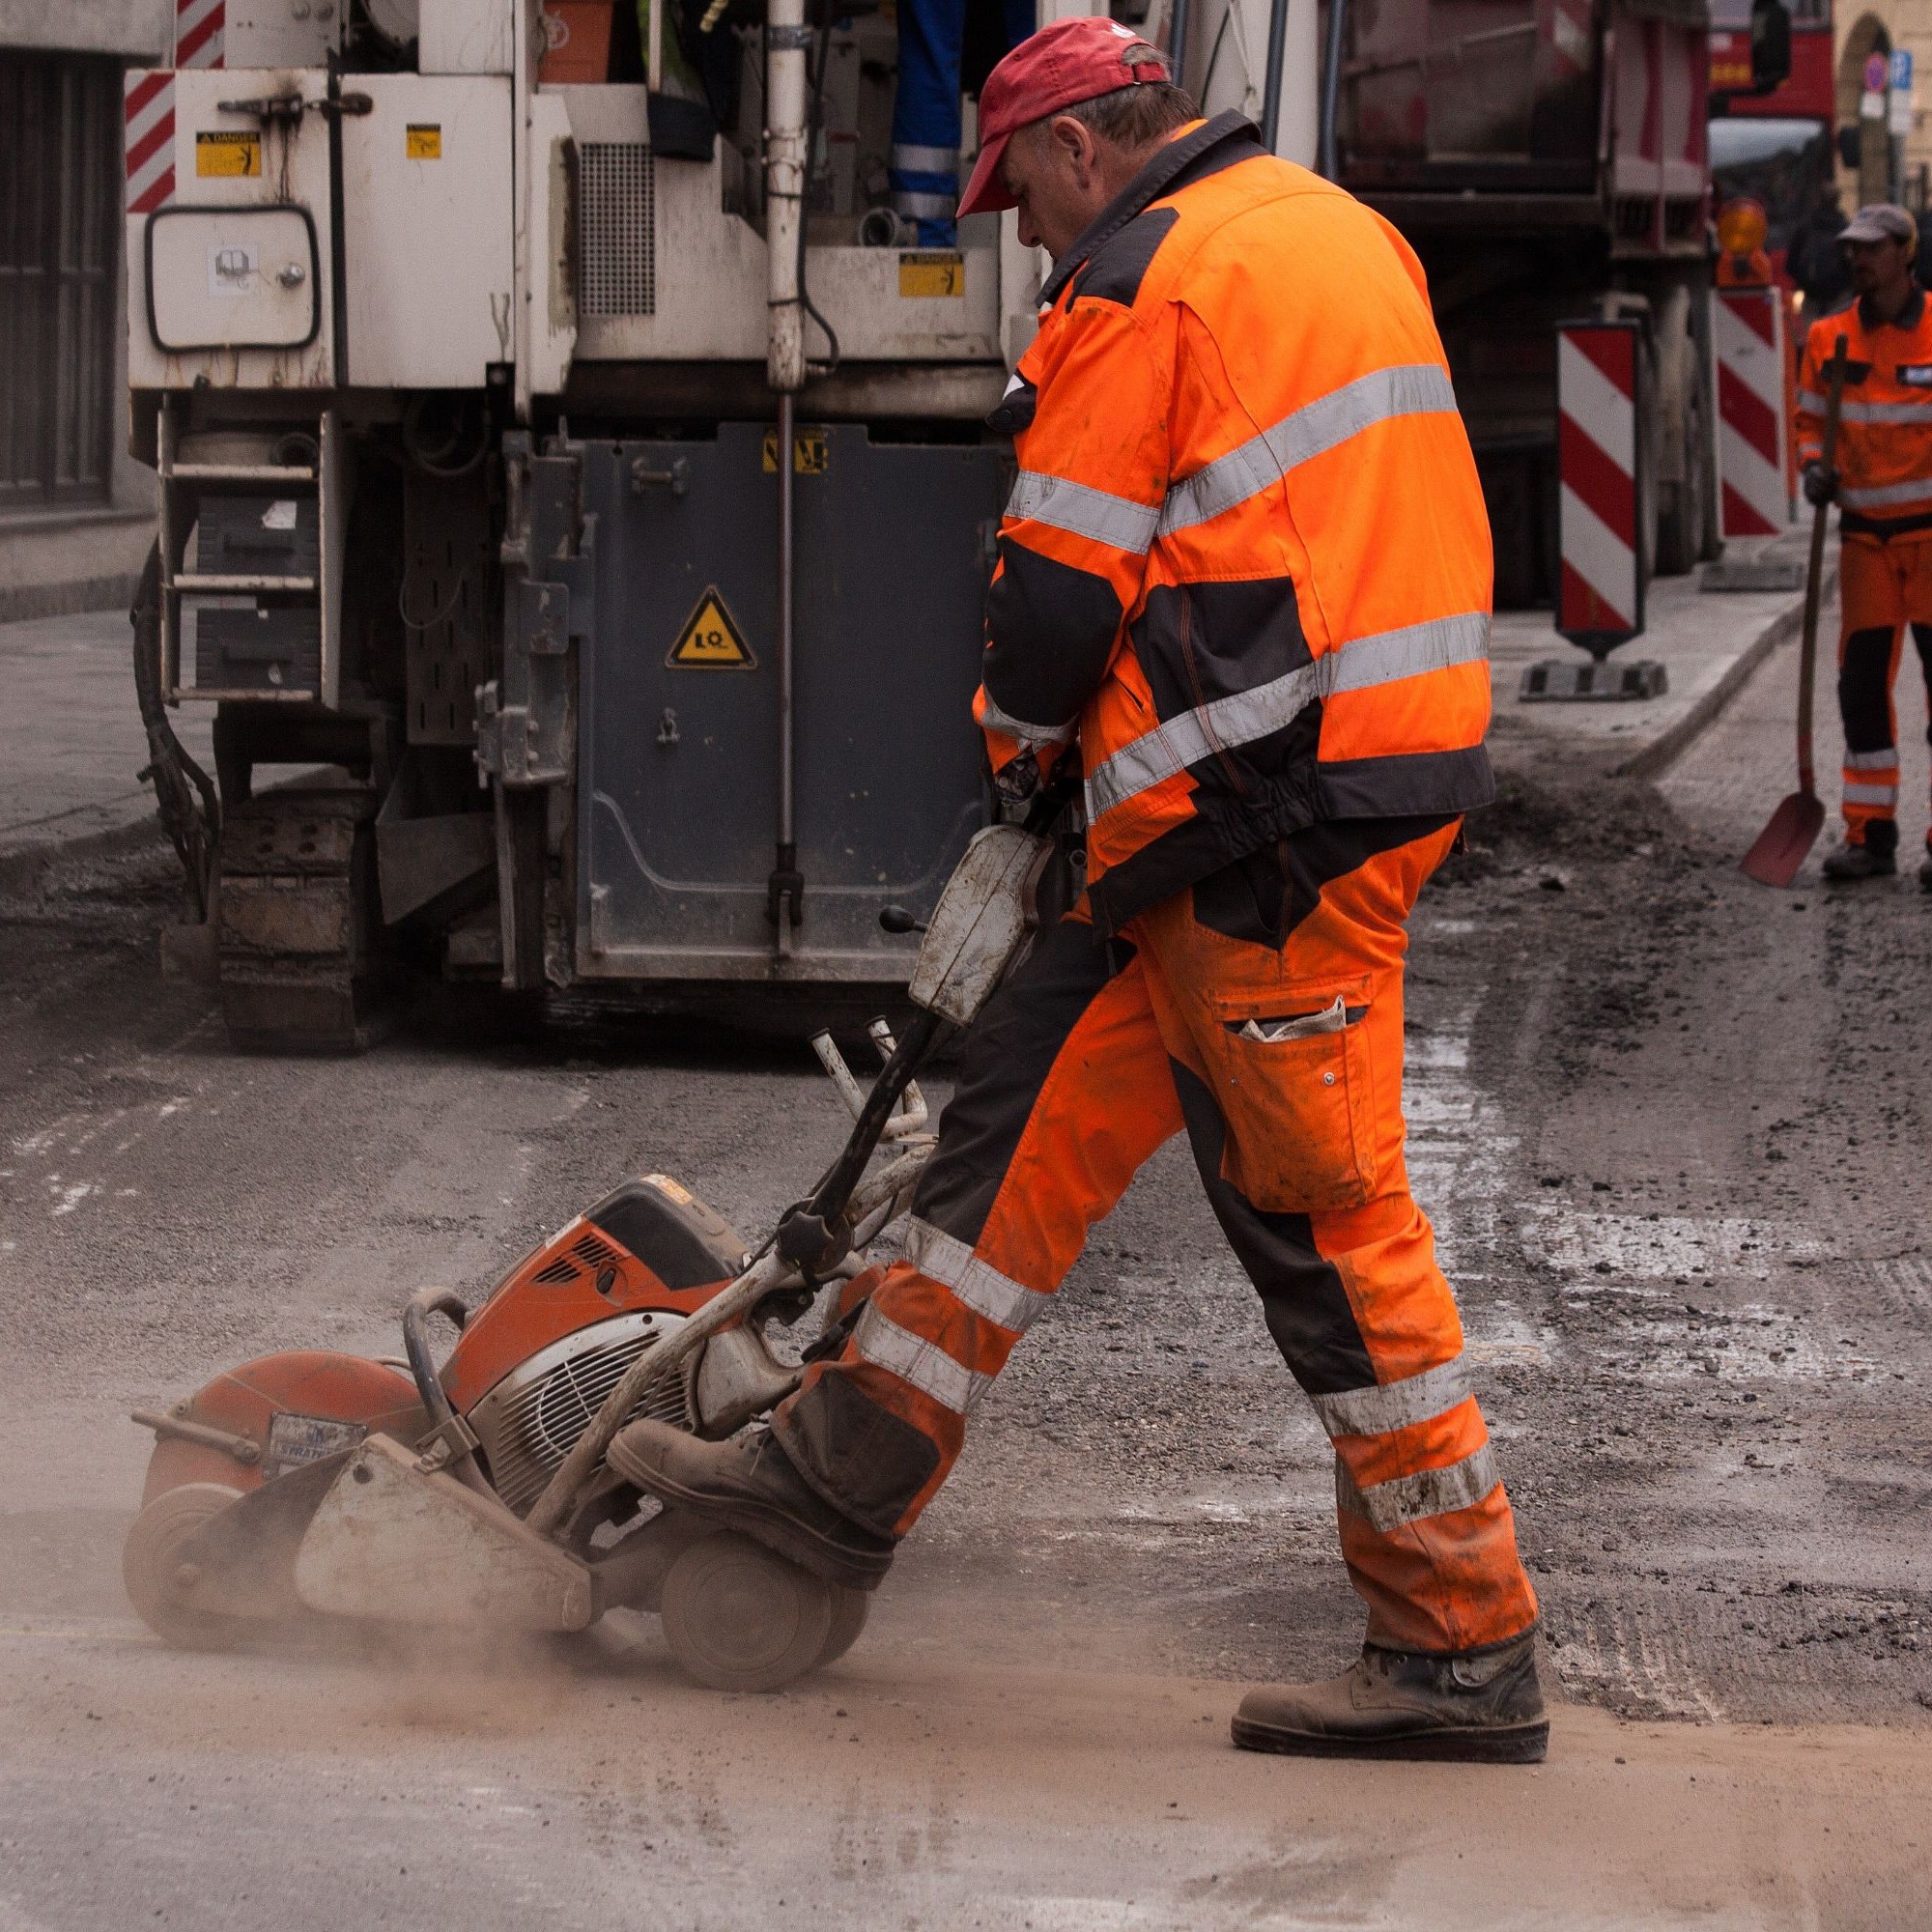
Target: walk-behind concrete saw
477, 1493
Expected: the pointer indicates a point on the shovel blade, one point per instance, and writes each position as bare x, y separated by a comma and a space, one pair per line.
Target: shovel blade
1785, 840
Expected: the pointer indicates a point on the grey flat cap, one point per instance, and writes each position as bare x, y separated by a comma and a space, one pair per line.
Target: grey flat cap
1881, 222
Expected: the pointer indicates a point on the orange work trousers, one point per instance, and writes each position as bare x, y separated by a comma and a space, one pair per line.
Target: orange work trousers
1283, 1064
1883, 587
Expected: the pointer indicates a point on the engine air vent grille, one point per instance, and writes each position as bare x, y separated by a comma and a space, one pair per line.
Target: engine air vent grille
530, 1422
560, 1271
595, 1253
616, 229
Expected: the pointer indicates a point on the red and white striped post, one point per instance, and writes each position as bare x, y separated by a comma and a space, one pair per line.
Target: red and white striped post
201, 33
1753, 429
148, 107
1599, 601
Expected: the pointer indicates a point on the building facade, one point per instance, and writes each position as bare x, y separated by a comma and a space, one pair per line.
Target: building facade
1858, 34
75, 513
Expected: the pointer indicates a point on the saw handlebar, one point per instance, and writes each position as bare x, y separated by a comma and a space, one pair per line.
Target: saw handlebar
816, 1234
813, 1239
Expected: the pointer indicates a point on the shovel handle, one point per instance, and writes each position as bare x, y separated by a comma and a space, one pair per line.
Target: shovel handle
1814, 578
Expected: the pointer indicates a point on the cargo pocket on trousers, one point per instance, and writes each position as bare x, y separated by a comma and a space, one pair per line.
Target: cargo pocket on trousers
1295, 1085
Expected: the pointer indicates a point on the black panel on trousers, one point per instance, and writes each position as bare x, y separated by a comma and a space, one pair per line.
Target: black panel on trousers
1303, 1301
1864, 690
1008, 1056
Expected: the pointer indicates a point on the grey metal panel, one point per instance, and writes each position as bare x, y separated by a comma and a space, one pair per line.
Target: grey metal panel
259, 646
448, 572
678, 780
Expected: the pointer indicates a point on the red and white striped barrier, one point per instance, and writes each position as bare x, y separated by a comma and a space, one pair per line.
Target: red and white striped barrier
1753, 428
201, 33
148, 101
1600, 602
148, 97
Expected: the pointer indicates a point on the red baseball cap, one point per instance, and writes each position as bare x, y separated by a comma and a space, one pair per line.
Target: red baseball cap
1061, 66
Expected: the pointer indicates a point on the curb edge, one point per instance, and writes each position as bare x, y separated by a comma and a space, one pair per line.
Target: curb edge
1663, 751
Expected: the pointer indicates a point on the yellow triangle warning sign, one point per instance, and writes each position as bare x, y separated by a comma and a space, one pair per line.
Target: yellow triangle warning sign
711, 640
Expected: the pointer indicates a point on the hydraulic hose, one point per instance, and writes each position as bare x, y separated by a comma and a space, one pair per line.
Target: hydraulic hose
1271, 80
193, 825
814, 124
1177, 42
1327, 156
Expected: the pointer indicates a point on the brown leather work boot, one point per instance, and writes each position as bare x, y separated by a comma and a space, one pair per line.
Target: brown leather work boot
1483, 1705
1853, 865
749, 1483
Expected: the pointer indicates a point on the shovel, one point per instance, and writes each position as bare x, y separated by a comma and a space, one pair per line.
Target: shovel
1794, 827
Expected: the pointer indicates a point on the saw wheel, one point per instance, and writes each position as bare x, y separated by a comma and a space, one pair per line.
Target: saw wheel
850, 1609
738, 1617
152, 1570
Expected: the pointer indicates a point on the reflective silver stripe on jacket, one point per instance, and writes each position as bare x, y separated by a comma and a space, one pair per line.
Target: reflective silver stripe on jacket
925, 1365
1872, 761
925, 160
1870, 412
978, 1284
1417, 388
1410, 1498
1387, 1405
924, 206
1085, 511
1871, 794
993, 719
1385, 658
1888, 493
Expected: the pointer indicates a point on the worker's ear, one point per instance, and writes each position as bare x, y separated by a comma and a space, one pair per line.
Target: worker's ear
1074, 140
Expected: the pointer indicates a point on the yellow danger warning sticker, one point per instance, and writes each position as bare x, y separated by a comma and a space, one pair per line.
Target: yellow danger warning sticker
932, 271
228, 152
811, 452
711, 640
422, 141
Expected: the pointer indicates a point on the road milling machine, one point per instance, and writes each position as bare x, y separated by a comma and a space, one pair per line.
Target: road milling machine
592, 477
583, 474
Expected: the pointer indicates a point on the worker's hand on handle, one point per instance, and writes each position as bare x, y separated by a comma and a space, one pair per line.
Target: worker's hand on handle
1019, 777
1821, 485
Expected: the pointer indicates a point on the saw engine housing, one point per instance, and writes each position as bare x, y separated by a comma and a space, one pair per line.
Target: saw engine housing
528, 1372
538, 1357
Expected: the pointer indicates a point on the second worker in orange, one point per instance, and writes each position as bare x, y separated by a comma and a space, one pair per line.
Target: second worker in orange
1882, 481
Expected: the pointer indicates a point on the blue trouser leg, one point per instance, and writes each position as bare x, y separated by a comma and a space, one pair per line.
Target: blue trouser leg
925, 170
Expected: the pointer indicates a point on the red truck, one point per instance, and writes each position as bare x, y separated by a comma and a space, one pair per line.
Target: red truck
1772, 144
1547, 159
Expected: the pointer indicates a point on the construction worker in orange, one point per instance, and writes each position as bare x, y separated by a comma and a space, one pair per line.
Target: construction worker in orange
1244, 579
1882, 481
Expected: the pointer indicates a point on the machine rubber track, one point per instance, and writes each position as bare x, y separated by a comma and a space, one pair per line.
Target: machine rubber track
298, 929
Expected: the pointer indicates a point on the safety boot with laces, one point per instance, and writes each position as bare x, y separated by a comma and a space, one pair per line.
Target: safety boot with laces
750, 1483
1874, 857
1483, 1705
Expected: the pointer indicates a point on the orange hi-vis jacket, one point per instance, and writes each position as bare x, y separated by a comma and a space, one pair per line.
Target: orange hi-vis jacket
1245, 561
1884, 457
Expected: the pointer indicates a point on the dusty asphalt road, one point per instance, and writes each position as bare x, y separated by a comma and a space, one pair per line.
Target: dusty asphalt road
1673, 1129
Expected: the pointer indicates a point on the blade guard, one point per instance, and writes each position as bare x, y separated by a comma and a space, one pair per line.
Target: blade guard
390, 1542
982, 917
